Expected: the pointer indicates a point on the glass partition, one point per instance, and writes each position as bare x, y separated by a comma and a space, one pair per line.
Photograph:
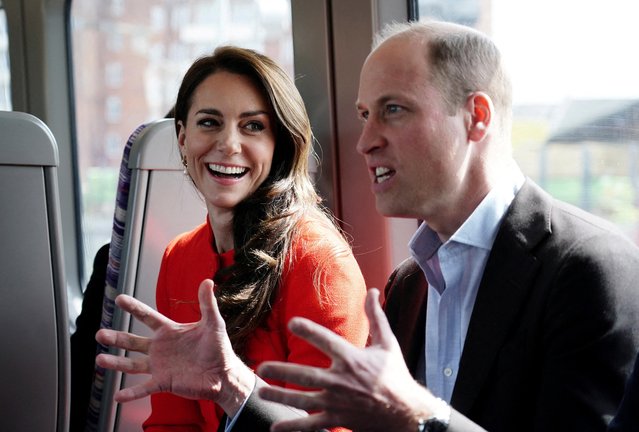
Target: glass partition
129, 57
576, 95
5, 70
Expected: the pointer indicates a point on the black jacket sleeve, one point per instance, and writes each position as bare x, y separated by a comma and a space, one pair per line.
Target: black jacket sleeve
258, 415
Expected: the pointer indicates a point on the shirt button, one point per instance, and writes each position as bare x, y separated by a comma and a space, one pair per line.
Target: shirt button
448, 372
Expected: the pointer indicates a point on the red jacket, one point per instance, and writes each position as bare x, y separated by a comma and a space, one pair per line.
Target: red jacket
338, 305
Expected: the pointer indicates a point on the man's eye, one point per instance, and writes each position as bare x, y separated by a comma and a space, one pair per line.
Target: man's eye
393, 109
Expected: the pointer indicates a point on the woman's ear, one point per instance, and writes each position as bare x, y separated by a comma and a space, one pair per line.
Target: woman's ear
181, 136
481, 109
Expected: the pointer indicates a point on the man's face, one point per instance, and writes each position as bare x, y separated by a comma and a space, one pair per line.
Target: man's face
416, 152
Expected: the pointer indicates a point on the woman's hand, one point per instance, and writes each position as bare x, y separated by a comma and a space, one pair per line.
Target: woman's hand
194, 360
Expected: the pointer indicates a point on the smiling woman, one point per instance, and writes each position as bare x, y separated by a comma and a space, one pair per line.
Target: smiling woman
136, 52
227, 145
93, 71
245, 141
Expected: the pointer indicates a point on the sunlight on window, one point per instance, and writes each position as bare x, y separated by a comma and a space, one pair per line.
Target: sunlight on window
5, 71
576, 95
130, 56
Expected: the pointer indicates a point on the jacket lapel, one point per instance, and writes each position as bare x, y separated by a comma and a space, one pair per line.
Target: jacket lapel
405, 308
505, 285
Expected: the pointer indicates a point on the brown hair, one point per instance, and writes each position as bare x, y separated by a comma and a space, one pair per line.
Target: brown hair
265, 223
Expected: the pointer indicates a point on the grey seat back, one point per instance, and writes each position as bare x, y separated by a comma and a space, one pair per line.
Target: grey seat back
162, 203
34, 341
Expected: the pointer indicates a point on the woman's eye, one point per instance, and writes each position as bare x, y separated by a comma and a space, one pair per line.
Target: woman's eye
208, 122
254, 126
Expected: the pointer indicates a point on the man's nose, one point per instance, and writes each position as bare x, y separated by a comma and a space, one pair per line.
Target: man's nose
370, 138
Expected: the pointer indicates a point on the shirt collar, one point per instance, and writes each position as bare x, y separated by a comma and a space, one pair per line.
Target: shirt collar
480, 229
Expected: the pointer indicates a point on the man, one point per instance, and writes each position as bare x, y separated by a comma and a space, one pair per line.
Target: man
516, 310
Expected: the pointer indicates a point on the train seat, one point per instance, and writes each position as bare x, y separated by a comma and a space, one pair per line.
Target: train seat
34, 364
158, 203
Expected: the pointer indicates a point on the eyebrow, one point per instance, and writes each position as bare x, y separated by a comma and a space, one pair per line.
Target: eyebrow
379, 102
213, 111
384, 99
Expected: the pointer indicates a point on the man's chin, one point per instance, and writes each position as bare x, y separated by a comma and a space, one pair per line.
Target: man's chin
389, 210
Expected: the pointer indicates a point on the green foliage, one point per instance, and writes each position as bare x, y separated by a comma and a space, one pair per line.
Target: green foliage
99, 190
529, 131
611, 197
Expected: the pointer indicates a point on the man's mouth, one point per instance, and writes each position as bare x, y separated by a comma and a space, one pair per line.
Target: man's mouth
382, 174
227, 171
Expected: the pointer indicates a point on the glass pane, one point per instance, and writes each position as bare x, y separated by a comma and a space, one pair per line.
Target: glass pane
5, 71
576, 98
129, 57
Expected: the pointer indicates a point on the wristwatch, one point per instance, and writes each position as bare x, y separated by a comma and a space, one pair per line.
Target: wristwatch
438, 420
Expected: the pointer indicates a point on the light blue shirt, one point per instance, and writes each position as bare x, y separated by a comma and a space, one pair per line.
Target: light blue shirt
453, 271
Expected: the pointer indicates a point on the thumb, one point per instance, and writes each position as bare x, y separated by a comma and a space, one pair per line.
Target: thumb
208, 303
381, 333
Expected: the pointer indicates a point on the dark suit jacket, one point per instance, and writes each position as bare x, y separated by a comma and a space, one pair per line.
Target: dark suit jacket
83, 344
258, 415
627, 418
555, 325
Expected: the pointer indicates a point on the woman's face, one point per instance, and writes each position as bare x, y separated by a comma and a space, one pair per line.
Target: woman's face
228, 139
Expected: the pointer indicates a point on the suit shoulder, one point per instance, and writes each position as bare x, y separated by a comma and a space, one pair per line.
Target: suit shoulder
537, 220
572, 224
397, 280
406, 268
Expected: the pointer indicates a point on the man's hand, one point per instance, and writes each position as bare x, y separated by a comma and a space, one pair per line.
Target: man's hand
194, 360
365, 389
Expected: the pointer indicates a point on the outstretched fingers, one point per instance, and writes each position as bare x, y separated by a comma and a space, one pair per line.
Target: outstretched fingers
302, 375
312, 422
381, 332
132, 365
123, 340
136, 392
322, 338
146, 314
306, 400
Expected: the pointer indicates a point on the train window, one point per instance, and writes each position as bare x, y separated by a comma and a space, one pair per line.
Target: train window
5, 72
129, 57
576, 97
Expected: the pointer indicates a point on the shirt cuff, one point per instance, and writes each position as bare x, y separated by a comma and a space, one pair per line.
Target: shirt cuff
230, 422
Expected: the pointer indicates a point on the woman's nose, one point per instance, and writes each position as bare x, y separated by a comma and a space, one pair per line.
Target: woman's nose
230, 142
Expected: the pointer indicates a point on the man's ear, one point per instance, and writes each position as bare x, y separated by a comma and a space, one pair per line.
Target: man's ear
481, 109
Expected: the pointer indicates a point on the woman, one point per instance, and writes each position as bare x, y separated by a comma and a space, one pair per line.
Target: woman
245, 141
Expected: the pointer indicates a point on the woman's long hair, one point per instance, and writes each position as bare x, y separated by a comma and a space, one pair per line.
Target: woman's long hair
266, 222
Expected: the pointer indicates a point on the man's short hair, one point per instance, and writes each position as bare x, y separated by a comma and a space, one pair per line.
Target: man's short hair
463, 60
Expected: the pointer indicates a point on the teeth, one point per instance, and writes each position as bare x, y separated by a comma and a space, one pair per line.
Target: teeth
227, 169
382, 174
381, 171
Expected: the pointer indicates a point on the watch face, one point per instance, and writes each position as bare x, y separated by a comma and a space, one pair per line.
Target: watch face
435, 425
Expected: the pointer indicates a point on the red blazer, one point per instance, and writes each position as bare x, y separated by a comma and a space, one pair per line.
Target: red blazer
190, 258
